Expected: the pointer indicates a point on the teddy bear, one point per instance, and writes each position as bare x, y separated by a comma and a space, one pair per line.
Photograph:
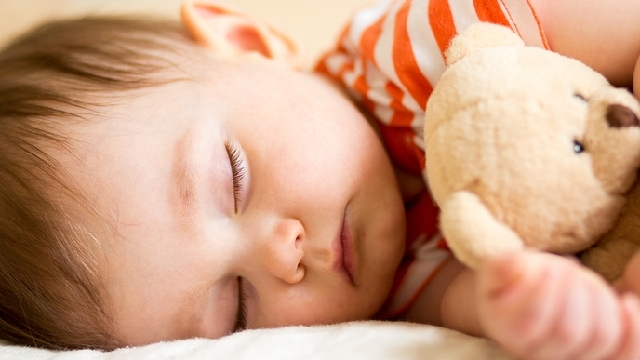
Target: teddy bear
525, 147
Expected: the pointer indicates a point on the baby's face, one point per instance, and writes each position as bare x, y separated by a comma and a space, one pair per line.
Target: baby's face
251, 192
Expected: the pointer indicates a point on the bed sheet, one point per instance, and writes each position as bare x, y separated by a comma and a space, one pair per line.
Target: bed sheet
366, 340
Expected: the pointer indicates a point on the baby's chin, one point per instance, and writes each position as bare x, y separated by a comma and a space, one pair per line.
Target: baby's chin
385, 268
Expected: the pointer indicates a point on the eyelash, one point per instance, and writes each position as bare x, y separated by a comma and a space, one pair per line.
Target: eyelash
241, 316
238, 171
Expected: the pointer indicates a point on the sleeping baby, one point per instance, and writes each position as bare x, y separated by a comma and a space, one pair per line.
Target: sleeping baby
168, 181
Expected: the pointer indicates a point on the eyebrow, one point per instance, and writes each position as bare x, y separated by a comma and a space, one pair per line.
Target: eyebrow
183, 174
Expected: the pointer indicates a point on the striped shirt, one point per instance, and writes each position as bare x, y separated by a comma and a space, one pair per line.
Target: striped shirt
389, 58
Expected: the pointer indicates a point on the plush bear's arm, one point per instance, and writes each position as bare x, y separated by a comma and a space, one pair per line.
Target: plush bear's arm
472, 232
480, 36
609, 257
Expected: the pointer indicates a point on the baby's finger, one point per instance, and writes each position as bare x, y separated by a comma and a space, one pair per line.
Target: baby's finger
630, 343
570, 329
518, 314
603, 333
584, 329
605, 327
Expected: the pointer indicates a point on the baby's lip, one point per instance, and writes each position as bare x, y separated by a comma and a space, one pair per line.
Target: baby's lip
344, 251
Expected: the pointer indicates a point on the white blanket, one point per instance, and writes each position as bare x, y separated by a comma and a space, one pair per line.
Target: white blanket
367, 340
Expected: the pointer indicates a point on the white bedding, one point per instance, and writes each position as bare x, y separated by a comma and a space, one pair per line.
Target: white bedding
368, 340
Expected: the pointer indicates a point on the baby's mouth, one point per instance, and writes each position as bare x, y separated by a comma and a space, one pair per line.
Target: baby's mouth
345, 255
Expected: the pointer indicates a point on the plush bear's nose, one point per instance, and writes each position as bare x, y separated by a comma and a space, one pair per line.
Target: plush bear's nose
621, 116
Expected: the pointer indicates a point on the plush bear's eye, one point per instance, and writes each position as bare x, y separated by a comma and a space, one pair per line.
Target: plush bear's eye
580, 97
577, 147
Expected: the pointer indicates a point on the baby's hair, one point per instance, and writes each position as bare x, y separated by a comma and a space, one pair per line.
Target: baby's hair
60, 74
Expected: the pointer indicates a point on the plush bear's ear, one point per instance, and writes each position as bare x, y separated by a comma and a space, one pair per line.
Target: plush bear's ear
231, 33
479, 36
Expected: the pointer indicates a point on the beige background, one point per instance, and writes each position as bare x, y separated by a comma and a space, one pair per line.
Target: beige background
315, 24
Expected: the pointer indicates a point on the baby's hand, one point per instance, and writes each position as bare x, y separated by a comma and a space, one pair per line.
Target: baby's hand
542, 306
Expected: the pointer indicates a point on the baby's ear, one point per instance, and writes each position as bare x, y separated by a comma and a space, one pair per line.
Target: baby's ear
231, 33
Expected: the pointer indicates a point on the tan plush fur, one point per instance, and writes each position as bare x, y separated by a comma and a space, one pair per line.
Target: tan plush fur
503, 132
610, 254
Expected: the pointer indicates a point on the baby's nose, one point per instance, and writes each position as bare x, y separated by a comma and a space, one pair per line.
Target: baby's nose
621, 116
283, 252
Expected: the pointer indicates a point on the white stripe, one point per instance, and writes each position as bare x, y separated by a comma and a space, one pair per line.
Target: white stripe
376, 82
428, 258
419, 138
365, 17
384, 114
525, 22
425, 48
349, 78
418, 121
383, 52
464, 14
335, 62
383, 55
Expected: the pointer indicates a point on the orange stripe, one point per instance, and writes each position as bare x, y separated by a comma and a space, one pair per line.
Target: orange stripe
441, 20
490, 10
545, 43
405, 154
404, 61
425, 283
321, 65
401, 116
361, 86
343, 38
347, 67
370, 38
